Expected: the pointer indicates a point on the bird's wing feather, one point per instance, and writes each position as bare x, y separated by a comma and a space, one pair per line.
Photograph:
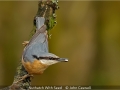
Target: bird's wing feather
40, 35
37, 44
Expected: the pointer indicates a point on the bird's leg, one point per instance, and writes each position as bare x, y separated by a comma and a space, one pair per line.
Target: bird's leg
24, 77
25, 43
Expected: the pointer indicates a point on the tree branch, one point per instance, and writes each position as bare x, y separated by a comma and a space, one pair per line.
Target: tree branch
46, 9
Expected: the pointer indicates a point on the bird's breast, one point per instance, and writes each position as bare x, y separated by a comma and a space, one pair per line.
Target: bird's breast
35, 67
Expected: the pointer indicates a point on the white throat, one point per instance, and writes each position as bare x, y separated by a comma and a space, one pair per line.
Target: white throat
48, 62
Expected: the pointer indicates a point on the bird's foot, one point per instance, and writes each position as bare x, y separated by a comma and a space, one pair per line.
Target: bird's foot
25, 43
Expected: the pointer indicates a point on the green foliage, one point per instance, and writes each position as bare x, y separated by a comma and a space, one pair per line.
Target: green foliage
52, 22
55, 1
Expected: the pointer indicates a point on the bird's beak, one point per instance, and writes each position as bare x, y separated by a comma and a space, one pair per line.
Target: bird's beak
63, 59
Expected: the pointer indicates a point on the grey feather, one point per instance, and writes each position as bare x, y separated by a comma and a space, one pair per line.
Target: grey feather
37, 45
39, 22
39, 35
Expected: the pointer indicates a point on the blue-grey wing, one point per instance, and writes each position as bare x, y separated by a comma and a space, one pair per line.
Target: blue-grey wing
39, 36
36, 45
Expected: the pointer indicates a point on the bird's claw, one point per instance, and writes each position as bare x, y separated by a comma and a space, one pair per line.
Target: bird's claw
25, 43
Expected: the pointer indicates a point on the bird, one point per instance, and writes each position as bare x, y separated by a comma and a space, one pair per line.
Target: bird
36, 57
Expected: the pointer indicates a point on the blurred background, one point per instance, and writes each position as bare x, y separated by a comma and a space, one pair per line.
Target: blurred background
87, 33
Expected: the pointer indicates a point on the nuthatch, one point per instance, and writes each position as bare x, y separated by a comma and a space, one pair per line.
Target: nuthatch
36, 57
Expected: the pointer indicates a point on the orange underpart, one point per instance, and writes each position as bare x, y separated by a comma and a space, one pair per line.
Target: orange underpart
35, 67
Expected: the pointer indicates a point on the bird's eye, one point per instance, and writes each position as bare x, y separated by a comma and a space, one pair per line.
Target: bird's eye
50, 58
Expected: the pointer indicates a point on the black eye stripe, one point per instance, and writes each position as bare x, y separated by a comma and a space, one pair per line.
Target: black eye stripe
46, 58
35, 57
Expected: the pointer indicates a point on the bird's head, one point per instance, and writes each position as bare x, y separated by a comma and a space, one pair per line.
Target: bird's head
49, 59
